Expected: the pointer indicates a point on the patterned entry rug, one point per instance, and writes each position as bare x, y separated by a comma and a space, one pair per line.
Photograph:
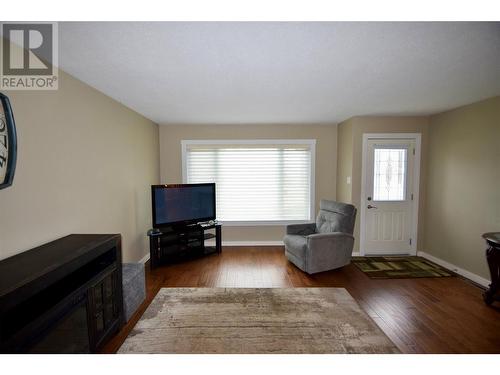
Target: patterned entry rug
257, 320
399, 267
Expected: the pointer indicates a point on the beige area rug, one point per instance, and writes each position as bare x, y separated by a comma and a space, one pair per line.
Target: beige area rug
257, 320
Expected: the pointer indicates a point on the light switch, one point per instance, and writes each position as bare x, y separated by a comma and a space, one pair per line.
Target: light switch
348, 180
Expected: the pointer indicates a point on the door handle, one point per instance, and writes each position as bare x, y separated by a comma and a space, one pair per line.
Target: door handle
370, 206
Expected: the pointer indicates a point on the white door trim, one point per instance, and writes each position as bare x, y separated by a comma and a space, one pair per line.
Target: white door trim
417, 137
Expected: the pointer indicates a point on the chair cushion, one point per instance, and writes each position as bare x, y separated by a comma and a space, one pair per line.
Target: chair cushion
296, 245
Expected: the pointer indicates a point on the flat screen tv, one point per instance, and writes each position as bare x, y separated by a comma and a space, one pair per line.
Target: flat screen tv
182, 204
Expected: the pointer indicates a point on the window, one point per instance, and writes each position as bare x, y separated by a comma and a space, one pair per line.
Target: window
389, 178
257, 181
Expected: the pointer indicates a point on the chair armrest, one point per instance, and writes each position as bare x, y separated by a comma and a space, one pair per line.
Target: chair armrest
329, 236
330, 240
328, 251
301, 229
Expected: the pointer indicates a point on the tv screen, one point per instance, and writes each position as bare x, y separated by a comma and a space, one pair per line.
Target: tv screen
182, 204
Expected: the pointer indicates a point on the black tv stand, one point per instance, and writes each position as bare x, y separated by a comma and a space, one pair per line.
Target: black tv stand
176, 243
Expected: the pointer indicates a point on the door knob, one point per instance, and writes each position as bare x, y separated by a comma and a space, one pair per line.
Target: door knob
370, 206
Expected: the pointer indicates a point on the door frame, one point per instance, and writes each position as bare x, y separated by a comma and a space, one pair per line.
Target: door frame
417, 138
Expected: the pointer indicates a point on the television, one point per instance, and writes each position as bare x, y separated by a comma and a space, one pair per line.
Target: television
182, 204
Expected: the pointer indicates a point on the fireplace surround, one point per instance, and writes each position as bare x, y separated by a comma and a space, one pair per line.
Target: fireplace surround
62, 297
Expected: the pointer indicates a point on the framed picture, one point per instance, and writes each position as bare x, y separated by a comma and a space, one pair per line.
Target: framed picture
8, 143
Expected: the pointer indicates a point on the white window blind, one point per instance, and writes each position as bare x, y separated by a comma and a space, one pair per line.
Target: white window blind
256, 181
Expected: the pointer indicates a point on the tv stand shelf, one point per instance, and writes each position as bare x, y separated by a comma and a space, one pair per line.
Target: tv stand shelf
170, 244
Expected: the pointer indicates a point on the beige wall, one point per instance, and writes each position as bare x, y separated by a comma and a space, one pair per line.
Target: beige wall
362, 125
344, 161
463, 184
85, 163
326, 161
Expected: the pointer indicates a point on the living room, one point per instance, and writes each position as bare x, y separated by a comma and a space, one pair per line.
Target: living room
250, 187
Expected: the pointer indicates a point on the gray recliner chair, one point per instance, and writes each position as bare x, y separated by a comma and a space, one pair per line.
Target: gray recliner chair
326, 244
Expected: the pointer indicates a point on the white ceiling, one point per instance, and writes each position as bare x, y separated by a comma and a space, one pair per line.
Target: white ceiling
257, 72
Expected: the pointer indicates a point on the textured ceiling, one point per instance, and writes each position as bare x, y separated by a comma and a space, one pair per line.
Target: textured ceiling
256, 72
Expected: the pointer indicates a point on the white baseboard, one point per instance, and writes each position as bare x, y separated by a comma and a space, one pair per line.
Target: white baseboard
356, 254
144, 259
247, 243
467, 274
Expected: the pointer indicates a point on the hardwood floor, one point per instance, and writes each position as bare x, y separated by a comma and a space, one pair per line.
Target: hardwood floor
441, 315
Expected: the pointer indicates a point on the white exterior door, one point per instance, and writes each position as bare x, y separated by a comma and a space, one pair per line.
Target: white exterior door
388, 199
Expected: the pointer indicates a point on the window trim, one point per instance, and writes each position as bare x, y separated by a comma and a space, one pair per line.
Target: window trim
310, 142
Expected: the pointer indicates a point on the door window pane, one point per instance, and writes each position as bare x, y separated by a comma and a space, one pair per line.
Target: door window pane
389, 174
